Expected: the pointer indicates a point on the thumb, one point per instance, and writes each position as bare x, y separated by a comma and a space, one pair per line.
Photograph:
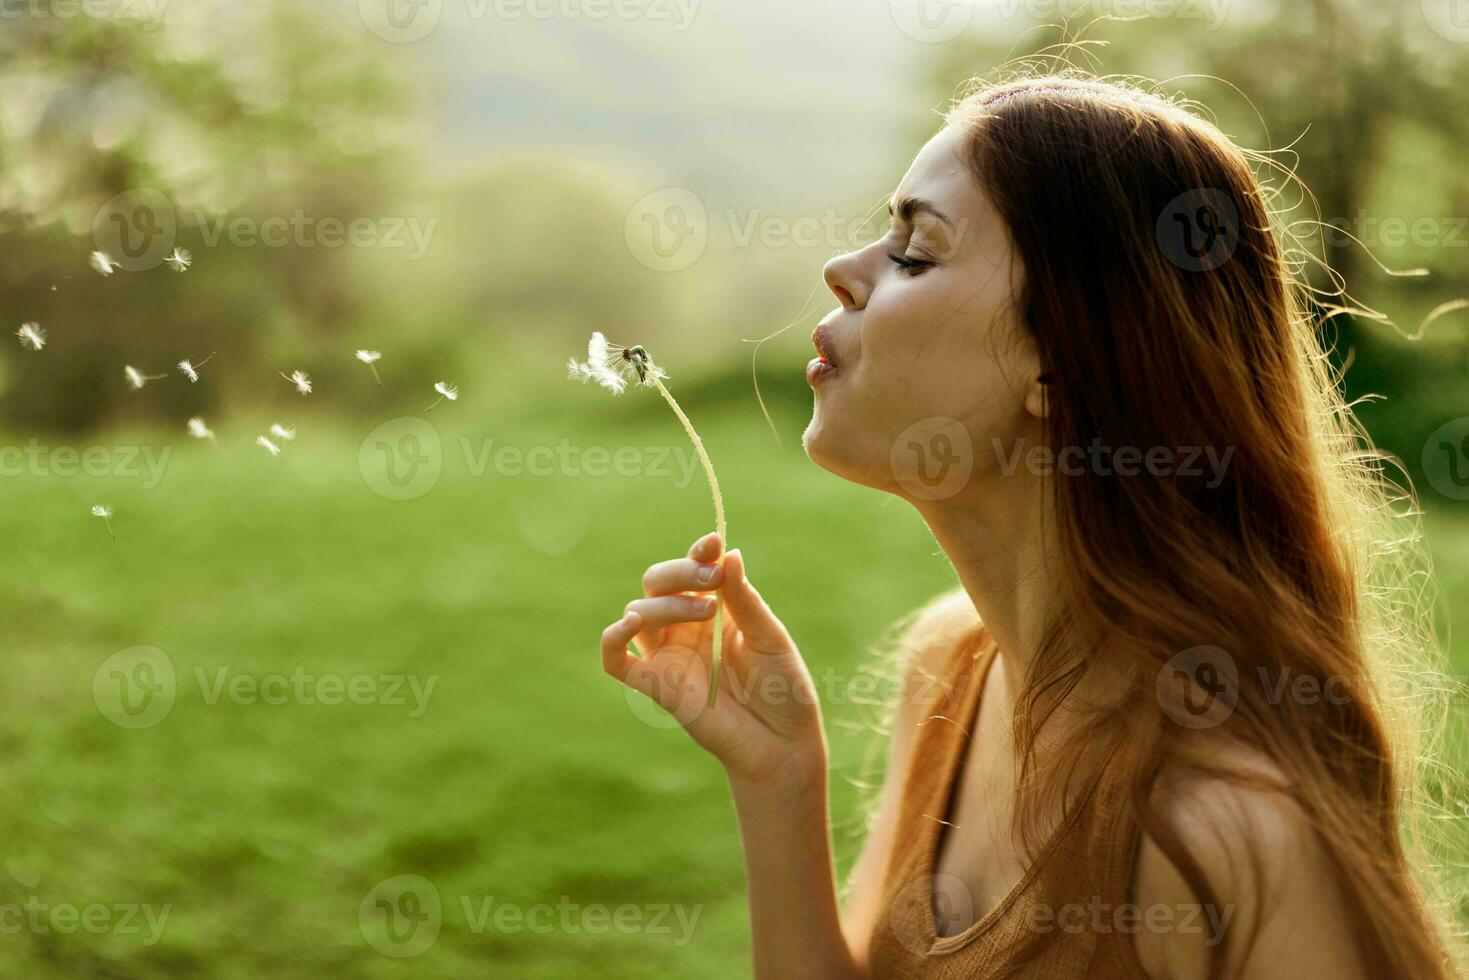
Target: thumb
763, 632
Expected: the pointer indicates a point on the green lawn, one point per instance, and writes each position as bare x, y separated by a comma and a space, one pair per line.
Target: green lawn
526, 779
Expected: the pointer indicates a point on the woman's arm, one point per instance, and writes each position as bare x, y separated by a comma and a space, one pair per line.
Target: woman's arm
765, 728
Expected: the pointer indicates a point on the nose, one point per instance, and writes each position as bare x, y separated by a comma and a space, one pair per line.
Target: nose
844, 278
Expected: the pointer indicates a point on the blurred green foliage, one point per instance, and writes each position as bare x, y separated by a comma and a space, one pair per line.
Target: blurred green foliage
530, 777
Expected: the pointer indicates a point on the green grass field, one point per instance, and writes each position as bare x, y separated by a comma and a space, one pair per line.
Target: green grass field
526, 779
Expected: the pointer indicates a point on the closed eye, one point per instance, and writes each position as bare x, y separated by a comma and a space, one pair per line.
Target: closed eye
912, 266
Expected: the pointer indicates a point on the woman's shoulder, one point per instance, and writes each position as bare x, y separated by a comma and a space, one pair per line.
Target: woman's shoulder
928, 640
1276, 899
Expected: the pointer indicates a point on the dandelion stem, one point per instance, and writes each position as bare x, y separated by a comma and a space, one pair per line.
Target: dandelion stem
688, 426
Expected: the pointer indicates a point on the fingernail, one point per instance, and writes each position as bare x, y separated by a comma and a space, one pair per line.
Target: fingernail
706, 573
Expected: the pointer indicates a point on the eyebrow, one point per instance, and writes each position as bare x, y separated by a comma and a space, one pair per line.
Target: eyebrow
909, 206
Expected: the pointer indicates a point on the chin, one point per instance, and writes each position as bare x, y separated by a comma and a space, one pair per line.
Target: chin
833, 452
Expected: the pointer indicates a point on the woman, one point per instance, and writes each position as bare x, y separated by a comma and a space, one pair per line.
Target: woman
1080, 355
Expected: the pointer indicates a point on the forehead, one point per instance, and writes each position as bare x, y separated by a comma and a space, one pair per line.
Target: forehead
940, 174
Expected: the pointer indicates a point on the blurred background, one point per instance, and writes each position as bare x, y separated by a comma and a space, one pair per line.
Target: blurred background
338, 711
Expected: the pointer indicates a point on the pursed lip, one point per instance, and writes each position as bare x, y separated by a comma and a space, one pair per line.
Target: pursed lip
821, 338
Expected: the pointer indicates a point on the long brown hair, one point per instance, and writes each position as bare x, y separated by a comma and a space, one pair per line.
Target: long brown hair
1156, 282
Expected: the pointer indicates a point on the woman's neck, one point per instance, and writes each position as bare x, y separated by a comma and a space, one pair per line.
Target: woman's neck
997, 550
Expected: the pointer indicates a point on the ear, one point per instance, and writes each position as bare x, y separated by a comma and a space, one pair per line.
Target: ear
1037, 395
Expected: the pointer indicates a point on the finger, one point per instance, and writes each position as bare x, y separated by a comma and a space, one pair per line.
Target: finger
681, 575
762, 631
665, 610
707, 548
615, 638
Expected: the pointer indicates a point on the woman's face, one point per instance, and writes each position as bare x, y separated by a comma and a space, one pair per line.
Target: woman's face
928, 369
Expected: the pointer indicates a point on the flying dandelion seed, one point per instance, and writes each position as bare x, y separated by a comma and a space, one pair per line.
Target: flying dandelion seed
137, 378
300, 379
191, 370
445, 390
267, 445
370, 358
102, 262
179, 259
612, 366
199, 430
104, 512
281, 432
31, 335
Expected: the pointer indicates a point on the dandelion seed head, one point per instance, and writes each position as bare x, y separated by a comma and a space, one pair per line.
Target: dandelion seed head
301, 380
31, 335
102, 262
447, 390
613, 366
281, 432
267, 445
179, 259
101, 510
135, 377
199, 430
188, 369
369, 356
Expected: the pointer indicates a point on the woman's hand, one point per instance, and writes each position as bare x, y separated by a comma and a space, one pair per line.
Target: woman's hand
766, 722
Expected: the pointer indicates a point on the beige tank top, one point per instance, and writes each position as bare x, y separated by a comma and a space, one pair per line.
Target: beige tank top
1053, 924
